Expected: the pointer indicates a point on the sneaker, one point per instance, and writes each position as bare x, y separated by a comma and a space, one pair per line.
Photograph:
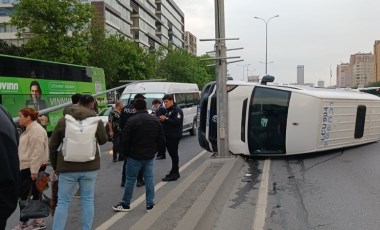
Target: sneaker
77, 194
121, 207
140, 183
114, 160
150, 207
36, 225
21, 226
170, 177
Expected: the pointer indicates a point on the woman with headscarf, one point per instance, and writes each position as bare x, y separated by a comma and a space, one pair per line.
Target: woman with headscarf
33, 152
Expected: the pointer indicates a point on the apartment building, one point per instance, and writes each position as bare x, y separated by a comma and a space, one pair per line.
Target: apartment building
376, 51
343, 75
190, 42
362, 69
150, 23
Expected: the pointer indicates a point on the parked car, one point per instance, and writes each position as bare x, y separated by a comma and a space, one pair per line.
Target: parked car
103, 114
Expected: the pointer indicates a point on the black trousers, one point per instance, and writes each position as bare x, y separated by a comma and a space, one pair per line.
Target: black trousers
172, 147
116, 144
26, 184
162, 151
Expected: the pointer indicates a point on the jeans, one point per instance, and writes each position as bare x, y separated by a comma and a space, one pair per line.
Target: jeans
66, 186
133, 167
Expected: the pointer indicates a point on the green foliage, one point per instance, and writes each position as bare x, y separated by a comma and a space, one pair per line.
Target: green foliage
5, 48
58, 30
374, 84
120, 58
181, 66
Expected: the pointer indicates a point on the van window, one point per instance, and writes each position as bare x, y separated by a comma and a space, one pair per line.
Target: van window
185, 100
268, 112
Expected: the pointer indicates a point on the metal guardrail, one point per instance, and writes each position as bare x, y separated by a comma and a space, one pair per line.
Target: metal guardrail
61, 106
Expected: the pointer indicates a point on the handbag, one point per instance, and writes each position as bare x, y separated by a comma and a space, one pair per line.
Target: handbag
33, 209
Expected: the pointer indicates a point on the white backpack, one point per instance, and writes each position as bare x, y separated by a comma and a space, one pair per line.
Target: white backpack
79, 144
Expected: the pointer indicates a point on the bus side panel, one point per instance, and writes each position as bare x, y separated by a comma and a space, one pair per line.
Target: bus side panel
236, 98
302, 126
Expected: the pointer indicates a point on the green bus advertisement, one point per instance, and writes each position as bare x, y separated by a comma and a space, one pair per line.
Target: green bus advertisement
42, 84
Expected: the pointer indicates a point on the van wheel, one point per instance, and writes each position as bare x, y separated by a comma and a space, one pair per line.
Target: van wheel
194, 129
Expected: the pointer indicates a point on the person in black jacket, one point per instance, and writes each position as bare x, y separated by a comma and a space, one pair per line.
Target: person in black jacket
141, 138
172, 123
9, 167
127, 112
158, 110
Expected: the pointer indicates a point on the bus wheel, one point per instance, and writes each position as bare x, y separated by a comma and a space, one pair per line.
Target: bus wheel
193, 130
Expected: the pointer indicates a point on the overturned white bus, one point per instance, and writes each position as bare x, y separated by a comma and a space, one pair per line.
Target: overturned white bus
284, 120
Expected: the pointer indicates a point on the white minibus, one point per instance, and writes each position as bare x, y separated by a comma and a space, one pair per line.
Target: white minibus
186, 96
284, 120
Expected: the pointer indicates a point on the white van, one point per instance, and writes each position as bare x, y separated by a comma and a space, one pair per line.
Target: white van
284, 120
186, 96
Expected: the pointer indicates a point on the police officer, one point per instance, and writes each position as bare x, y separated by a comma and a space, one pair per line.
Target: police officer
159, 110
172, 122
126, 112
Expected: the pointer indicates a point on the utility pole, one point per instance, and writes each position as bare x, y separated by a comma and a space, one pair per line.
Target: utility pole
221, 73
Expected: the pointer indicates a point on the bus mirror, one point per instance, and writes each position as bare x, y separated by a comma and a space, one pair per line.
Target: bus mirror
267, 78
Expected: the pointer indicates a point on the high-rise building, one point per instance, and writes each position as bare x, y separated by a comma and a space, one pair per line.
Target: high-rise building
300, 75
190, 42
343, 75
150, 23
362, 69
376, 51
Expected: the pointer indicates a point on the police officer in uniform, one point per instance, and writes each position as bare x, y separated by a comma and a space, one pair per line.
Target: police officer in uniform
172, 123
126, 112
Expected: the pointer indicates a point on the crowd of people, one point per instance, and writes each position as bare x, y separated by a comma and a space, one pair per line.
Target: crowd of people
137, 136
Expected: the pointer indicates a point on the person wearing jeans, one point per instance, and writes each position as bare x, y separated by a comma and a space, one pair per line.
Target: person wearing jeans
72, 173
133, 168
141, 138
66, 184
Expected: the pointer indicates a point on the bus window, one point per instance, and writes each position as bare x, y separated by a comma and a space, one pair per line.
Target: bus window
268, 113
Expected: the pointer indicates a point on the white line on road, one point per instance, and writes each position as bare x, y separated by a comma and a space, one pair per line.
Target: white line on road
262, 199
115, 218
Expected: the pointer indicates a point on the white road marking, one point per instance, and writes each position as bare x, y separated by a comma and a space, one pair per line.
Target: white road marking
262, 199
119, 215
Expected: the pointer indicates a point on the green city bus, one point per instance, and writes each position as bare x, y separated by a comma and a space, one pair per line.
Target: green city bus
55, 83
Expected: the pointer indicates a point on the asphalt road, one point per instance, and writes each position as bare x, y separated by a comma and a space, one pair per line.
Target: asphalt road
108, 190
332, 190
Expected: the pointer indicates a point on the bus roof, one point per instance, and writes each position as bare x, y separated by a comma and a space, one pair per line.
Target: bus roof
41, 60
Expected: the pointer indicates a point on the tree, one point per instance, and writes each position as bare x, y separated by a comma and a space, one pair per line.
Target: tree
5, 48
58, 29
121, 59
181, 66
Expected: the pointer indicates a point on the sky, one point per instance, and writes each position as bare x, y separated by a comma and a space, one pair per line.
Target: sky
319, 34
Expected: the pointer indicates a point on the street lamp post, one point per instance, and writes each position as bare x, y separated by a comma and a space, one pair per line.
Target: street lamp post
266, 39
